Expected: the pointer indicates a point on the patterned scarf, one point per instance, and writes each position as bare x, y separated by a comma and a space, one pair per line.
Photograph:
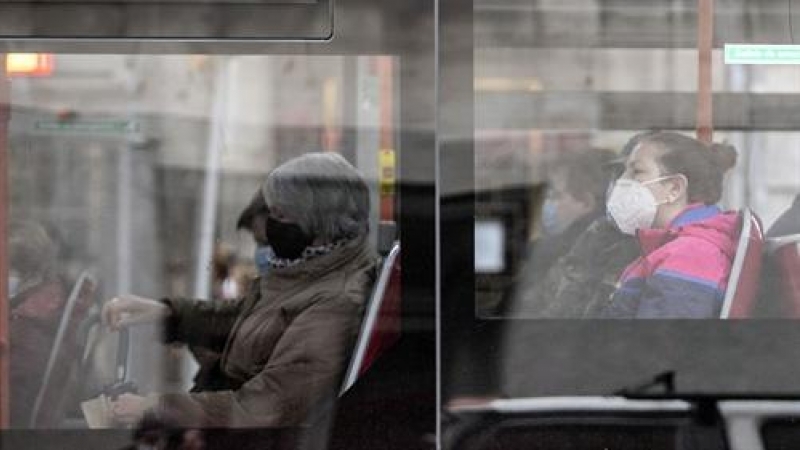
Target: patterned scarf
309, 253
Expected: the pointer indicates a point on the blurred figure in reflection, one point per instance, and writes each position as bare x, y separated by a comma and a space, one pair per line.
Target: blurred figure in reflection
191, 440
286, 343
150, 433
667, 198
574, 199
225, 285
37, 297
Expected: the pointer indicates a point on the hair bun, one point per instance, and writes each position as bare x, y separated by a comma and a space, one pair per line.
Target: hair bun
724, 155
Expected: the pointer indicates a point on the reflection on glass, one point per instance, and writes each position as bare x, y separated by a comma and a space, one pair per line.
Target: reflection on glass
129, 180
597, 90
489, 247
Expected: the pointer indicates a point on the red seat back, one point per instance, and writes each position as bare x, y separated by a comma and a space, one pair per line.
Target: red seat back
784, 253
740, 295
380, 328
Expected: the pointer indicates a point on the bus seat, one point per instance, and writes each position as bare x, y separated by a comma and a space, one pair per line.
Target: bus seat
784, 254
380, 328
740, 295
53, 392
387, 235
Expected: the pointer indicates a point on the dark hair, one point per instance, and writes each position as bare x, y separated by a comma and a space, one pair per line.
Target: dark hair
634, 141
615, 167
585, 174
703, 165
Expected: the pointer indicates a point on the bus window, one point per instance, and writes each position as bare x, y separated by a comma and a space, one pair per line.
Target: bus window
129, 175
563, 117
276, 165
639, 231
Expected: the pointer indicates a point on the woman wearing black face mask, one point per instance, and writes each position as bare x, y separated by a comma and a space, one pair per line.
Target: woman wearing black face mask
284, 346
287, 239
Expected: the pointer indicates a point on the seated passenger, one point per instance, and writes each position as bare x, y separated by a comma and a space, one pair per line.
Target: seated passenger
575, 199
285, 345
37, 297
666, 197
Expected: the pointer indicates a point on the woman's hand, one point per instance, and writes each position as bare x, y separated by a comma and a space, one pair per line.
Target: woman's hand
129, 408
127, 310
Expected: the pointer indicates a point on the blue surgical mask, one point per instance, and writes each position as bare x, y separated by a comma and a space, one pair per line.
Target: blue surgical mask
263, 255
550, 222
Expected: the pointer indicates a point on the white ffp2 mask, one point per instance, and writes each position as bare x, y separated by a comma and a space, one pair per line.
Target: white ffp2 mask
632, 205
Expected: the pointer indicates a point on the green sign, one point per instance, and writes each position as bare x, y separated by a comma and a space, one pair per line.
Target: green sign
87, 126
762, 54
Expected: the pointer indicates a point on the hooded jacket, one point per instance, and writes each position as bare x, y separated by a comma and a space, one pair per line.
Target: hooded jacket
284, 346
683, 270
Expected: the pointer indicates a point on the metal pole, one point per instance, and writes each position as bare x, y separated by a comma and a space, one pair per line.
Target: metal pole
367, 137
5, 354
705, 42
208, 212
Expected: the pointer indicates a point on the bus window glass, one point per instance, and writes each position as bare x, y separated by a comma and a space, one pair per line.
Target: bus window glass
649, 191
560, 98
145, 175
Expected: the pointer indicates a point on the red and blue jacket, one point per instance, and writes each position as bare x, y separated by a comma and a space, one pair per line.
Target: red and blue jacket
683, 270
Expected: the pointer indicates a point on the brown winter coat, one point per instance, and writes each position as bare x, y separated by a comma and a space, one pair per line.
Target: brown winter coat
284, 346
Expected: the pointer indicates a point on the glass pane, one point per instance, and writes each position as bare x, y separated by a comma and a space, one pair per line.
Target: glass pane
142, 175
555, 112
587, 202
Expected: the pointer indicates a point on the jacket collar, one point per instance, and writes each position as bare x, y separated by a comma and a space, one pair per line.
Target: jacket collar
694, 213
652, 238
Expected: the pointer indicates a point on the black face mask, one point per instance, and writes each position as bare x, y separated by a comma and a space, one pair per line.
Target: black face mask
286, 239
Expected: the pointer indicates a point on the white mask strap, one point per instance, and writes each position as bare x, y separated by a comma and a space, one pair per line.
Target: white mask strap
665, 177
656, 180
